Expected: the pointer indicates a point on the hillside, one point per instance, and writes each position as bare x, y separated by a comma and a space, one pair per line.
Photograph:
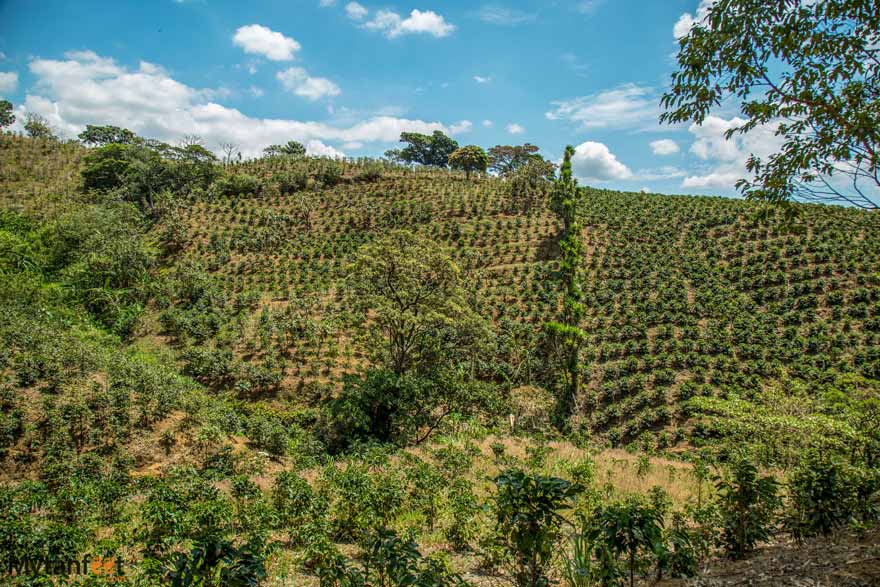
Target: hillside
191, 363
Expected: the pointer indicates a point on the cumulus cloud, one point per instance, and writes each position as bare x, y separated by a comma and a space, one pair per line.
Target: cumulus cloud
296, 80
8, 82
664, 147
503, 16
482, 80
594, 162
356, 11
515, 129
259, 40
86, 88
626, 106
460, 128
725, 160
392, 25
687, 20
319, 149
487, 123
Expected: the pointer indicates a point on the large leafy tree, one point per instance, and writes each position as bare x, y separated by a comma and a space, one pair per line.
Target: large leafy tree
105, 135
810, 71
413, 293
469, 159
433, 149
6, 115
507, 159
37, 127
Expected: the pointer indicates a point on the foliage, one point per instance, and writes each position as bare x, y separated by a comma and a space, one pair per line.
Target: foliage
528, 521
469, 159
506, 160
100, 136
414, 292
6, 115
807, 71
748, 503
289, 149
37, 127
632, 530
433, 150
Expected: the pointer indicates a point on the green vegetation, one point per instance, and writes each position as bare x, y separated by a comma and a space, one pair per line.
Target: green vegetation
302, 369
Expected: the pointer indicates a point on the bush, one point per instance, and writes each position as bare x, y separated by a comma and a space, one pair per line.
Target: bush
238, 184
528, 522
821, 496
291, 181
748, 504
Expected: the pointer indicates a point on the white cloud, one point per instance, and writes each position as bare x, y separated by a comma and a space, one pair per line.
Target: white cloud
726, 159
504, 16
626, 106
256, 92
259, 40
487, 124
85, 88
482, 80
356, 11
319, 149
296, 80
461, 128
594, 162
664, 147
515, 129
8, 82
687, 20
418, 22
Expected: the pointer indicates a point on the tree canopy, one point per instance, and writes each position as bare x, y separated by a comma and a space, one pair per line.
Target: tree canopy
507, 159
433, 149
6, 115
37, 127
290, 149
469, 159
105, 135
810, 71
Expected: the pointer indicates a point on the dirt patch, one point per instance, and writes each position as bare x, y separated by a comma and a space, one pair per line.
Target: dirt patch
845, 560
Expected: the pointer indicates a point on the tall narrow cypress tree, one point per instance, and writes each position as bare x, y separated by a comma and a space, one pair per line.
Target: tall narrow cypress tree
566, 201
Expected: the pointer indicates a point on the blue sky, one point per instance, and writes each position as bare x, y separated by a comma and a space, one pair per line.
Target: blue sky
347, 77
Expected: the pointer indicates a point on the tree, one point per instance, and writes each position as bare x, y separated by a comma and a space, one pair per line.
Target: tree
471, 158
105, 135
229, 152
530, 184
507, 159
289, 149
810, 71
6, 115
413, 291
566, 333
425, 150
37, 126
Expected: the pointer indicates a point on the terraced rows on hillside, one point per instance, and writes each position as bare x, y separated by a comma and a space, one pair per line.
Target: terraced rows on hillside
686, 296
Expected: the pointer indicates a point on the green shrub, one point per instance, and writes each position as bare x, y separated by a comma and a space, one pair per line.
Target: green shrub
748, 503
528, 522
